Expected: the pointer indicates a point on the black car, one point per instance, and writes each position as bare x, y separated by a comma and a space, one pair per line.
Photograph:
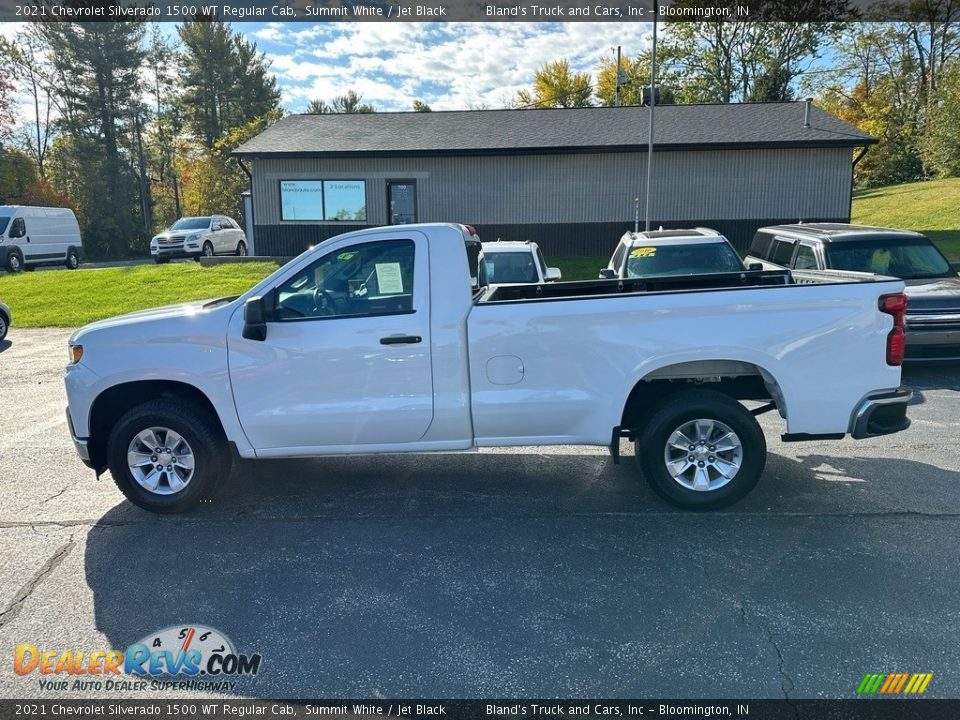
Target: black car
932, 285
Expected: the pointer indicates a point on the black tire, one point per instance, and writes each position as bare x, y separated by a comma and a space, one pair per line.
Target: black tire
160, 260
196, 426
241, 249
73, 259
208, 249
14, 261
670, 415
4, 326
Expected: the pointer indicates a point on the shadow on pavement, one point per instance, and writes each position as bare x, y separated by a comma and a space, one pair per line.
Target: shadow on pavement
500, 575
4, 344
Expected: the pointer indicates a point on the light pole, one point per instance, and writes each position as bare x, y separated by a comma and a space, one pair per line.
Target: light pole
653, 102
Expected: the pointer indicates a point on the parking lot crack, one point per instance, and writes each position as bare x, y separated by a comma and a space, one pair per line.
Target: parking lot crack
13, 609
786, 682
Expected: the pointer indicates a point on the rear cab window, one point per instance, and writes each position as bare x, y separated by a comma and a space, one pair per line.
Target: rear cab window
760, 247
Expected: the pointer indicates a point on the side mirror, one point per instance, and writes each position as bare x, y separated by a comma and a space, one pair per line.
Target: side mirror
955, 266
755, 266
255, 319
607, 274
552, 274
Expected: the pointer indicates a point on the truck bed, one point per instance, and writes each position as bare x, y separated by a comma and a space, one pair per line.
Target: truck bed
677, 283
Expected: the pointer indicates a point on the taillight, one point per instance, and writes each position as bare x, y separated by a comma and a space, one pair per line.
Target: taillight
895, 305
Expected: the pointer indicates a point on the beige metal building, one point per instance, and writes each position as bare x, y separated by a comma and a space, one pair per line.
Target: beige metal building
568, 179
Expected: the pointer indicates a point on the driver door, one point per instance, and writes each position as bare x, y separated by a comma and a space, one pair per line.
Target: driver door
346, 359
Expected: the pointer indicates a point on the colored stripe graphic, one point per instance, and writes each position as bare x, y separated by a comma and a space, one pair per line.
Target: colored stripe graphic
894, 683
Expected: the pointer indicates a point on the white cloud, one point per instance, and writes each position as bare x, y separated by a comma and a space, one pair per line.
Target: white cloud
449, 65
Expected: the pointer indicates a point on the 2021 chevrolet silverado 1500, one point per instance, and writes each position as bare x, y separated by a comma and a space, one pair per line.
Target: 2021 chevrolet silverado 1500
390, 340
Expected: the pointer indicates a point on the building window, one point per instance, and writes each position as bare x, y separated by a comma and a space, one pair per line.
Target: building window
336, 200
344, 200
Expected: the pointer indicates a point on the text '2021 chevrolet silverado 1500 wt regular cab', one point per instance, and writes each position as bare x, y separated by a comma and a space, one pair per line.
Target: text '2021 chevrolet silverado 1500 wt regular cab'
389, 340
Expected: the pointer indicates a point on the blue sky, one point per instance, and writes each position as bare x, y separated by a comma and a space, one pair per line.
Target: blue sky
450, 66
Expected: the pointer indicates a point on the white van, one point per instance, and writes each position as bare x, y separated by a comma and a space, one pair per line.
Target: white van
32, 236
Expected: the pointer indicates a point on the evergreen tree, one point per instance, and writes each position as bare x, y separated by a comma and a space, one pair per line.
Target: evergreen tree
226, 82
97, 80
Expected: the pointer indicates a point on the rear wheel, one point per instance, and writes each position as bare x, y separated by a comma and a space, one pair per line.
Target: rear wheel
701, 450
14, 261
73, 259
4, 325
167, 456
242, 249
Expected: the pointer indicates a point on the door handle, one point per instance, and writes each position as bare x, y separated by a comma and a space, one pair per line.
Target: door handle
401, 340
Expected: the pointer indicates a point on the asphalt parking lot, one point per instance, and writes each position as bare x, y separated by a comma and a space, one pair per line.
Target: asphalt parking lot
533, 572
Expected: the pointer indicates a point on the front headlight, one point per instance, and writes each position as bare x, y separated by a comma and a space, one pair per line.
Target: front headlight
192, 239
76, 352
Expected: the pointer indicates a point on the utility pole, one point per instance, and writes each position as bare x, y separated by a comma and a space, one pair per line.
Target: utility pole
616, 101
653, 102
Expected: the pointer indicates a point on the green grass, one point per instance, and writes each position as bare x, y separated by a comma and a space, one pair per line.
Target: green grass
578, 268
65, 298
931, 207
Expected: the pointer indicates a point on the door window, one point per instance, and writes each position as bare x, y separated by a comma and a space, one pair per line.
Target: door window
373, 278
18, 229
782, 251
806, 258
402, 202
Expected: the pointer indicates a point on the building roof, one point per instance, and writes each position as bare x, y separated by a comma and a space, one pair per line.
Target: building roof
600, 129
838, 231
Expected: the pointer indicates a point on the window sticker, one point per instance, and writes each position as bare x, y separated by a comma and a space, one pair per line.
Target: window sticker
389, 279
643, 252
346, 256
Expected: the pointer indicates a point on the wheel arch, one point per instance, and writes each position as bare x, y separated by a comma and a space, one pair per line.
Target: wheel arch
738, 379
118, 399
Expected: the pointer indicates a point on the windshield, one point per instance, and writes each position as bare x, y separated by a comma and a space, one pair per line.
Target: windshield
905, 258
510, 267
197, 223
4, 219
687, 259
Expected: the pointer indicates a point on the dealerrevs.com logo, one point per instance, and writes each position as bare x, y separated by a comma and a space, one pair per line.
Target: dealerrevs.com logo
188, 657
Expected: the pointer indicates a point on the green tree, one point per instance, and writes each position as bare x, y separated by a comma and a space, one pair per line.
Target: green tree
225, 81
349, 102
26, 59
96, 79
754, 58
7, 91
555, 86
318, 107
940, 143
213, 181
164, 142
420, 106
636, 76
885, 83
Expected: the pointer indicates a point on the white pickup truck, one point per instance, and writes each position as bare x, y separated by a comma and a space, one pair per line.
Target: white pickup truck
389, 340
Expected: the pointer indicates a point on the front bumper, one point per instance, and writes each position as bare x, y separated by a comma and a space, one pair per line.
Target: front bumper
81, 445
933, 337
172, 253
881, 413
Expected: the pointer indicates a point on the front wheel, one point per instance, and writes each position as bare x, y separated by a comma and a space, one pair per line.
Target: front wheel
160, 260
208, 249
701, 450
242, 249
14, 261
167, 456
